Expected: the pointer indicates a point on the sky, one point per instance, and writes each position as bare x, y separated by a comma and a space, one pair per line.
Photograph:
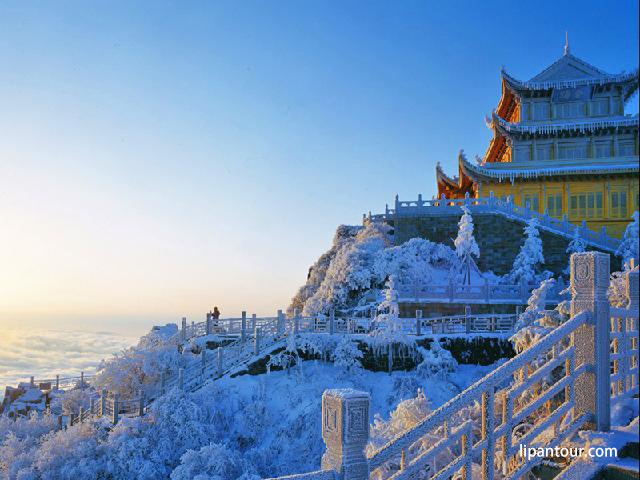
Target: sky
160, 158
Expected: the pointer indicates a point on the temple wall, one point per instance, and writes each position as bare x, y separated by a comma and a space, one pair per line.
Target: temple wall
615, 221
498, 237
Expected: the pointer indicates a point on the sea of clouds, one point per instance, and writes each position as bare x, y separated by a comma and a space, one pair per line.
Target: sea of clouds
45, 353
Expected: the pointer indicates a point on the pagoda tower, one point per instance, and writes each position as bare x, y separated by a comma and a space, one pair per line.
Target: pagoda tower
561, 145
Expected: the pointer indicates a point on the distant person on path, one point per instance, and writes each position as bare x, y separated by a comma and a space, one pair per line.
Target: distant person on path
216, 313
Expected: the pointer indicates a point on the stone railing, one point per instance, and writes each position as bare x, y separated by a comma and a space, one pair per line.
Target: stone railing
521, 402
517, 294
491, 204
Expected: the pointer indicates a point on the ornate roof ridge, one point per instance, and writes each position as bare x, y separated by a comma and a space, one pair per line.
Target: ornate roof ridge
568, 56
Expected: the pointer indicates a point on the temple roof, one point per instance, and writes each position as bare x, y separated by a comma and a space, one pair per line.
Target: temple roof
570, 71
509, 128
510, 171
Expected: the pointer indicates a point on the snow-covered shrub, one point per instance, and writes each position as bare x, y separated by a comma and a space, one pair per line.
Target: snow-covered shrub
140, 367
72, 400
534, 322
349, 268
628, 248
436, 362
417, 260
617, 291
360, 261
347, 356
527, 265
213, 462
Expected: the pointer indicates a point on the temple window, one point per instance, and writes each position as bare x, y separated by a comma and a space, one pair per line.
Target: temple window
570, 110
627, 149
541, 111
554, 205
531, 201
602, 149
618, 204
543, 152
572, 152
600, 107
586, 205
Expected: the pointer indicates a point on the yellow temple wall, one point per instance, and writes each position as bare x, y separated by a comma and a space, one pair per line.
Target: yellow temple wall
604, 194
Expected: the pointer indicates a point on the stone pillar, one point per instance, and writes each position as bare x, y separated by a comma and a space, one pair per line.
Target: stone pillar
467, 318
345, 431
254, 322
103, 402
32, 382
243, 327
57, 382
116, 409
418, 322
208, 324
589, 283
632, 291
219, 361
183, 332
92, 406
81, 380
256, 341
332, 321
296, 321
280, 323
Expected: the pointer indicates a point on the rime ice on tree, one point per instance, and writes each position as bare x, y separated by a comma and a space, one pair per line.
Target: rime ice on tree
530, 257
466, 246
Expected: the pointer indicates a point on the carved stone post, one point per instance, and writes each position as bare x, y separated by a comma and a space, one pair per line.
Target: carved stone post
418, 322
103, 402
219, 361
116, 409
280, 323
632, 291
589, 283
256, 341
345, 431
467, 319
254, 322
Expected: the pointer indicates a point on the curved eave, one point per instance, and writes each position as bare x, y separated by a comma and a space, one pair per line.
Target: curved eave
508, 129
479, 173
628, 81
508, 102
443, 179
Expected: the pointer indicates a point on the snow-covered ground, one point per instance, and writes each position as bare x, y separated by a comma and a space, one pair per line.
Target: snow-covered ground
262, 425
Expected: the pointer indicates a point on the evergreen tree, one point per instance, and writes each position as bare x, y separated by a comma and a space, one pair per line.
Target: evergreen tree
577, 245
628, 248
527, 264
465, 243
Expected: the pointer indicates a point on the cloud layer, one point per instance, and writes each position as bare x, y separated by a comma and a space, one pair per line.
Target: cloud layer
45, 353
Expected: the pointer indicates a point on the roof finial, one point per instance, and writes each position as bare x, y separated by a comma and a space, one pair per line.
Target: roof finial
566, 42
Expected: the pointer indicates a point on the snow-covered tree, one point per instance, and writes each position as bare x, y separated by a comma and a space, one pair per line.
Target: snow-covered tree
347, 356
576, 245
527, 264
617, 292
213, 462
436, 362
140, 367
535, 322
628, 248
466, 246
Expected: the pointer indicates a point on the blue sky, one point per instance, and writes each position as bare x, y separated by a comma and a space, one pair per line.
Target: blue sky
159, 158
